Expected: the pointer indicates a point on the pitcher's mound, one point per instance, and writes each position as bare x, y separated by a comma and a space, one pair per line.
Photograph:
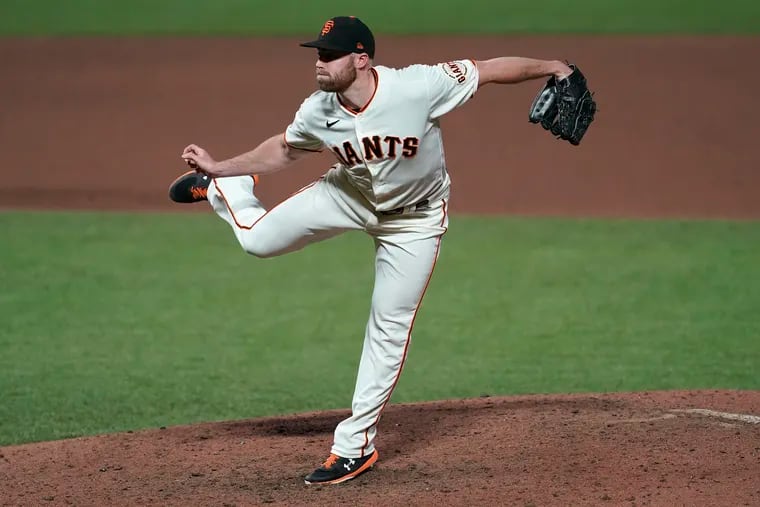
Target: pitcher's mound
658, 448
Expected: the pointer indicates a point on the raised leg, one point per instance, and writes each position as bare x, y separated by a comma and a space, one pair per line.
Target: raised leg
316, 212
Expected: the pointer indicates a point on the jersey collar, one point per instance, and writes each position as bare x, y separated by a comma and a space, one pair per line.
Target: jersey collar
353, 111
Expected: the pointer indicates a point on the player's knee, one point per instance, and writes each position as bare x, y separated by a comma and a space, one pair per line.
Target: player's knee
256, 248
257, 251
265, 241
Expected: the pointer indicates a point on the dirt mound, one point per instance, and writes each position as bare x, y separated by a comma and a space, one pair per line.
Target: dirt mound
659, 448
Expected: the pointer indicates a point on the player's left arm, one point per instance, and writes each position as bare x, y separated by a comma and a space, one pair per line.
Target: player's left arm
515, 69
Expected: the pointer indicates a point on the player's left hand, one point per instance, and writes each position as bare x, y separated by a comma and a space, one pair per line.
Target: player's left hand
199, 159
562, 71
565, 106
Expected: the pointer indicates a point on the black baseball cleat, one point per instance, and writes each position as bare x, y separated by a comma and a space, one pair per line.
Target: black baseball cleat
336, 469
190, 187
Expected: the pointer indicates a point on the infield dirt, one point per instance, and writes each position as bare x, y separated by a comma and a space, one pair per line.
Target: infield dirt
100, 123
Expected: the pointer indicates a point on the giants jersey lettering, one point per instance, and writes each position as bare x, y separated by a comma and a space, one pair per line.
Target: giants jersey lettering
392, 150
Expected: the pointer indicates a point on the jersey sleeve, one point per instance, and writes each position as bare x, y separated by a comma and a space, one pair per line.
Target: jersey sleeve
298, 134
450, 85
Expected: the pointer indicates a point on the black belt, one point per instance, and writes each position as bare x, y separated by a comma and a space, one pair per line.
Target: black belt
406, 209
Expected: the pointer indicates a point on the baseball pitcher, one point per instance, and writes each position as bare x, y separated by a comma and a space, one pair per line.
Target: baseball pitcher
390, 180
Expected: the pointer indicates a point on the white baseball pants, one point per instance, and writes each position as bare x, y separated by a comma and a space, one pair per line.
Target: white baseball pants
406, 246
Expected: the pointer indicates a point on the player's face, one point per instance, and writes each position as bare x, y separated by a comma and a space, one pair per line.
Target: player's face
335, 71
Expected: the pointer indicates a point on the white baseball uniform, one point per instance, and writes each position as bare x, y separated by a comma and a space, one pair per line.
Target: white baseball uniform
391, 182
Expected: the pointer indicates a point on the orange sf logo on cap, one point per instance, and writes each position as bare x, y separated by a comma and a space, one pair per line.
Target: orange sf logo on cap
359, 45
328, 26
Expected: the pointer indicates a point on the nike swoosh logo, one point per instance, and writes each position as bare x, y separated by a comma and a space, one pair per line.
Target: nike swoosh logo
331, 123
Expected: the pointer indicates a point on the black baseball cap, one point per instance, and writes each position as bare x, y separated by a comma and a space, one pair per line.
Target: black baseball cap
345, 33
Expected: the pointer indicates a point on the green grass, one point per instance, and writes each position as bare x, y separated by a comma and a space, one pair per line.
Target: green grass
115, 321
289, 17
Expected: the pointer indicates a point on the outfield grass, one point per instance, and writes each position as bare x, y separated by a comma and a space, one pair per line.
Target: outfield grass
291, 17
116, 321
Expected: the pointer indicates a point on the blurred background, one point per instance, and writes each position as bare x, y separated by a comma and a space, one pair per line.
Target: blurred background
629, 262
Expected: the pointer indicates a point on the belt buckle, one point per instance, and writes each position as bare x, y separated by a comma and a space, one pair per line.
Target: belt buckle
405, 209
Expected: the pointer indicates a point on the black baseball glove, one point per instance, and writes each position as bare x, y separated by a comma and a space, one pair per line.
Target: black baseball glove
565, 107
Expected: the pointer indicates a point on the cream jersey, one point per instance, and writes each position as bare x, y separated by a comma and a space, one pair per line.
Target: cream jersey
392, 149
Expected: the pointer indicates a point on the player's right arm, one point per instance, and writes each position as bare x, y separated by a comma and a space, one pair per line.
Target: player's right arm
270, 156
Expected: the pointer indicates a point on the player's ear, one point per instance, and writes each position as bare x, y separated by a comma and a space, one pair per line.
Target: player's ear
361, 60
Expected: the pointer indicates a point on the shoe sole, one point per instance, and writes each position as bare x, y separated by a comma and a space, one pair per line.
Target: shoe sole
176, 180
171, 185
370, 462
181, 176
